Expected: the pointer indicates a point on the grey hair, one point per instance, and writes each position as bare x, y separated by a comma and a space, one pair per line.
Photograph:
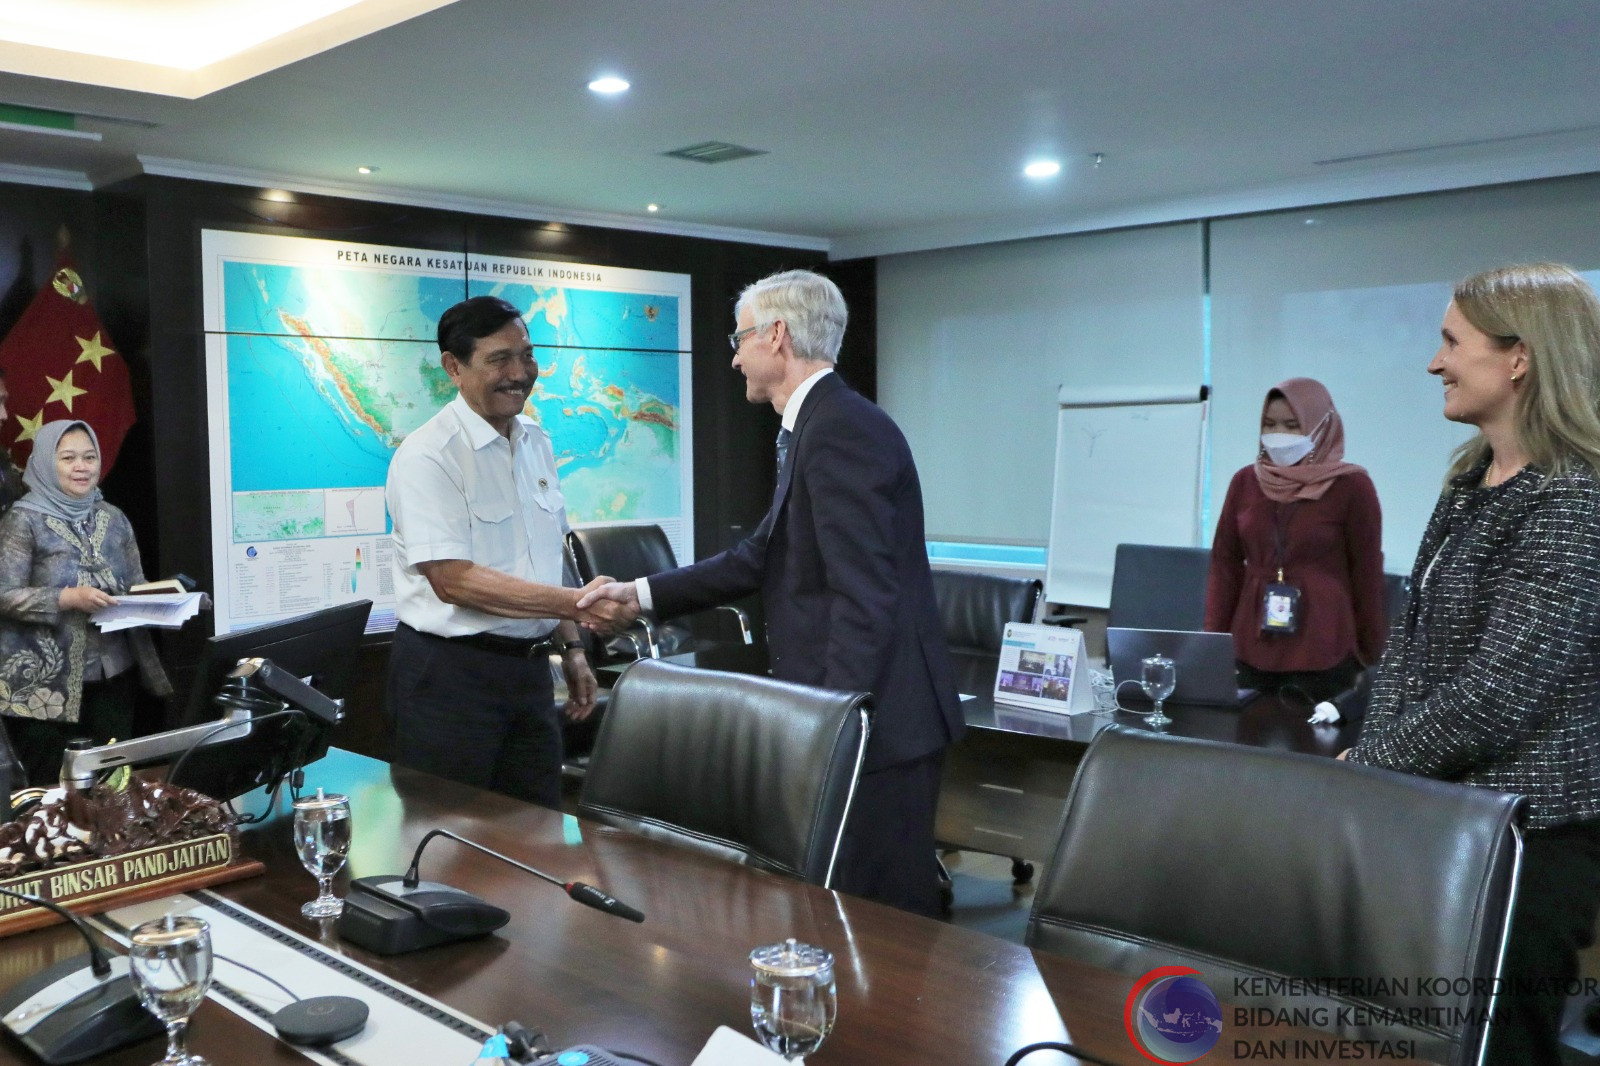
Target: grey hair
810, 305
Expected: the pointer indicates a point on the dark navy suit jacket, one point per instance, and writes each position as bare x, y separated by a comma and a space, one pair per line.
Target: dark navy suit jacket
841, 563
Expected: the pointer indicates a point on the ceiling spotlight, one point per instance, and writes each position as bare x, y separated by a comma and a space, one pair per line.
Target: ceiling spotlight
652, 208
608, 86
366, 170
1042, 168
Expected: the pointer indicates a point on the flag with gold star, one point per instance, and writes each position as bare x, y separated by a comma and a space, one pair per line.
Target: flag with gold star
59, 362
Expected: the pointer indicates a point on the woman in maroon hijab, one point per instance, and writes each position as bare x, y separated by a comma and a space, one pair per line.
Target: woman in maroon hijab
1297, 563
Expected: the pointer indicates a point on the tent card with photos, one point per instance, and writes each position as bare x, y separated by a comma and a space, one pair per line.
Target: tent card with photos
1044, 667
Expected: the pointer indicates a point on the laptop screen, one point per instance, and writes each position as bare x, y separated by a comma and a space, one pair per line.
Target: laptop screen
1206, 671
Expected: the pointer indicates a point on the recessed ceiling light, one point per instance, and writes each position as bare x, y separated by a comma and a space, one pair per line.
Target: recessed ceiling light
608, 86
366, 170
652, 208
1042, 168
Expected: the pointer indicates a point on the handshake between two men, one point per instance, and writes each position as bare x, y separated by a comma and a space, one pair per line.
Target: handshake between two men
607, 607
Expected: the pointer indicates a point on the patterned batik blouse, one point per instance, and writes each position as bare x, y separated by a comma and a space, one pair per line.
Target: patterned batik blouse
45, 651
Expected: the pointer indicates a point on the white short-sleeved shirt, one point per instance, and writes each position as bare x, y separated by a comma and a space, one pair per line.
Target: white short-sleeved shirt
457, 489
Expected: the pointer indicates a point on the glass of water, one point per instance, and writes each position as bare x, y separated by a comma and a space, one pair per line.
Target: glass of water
1158, 676
170, 959
322, 837
793, 999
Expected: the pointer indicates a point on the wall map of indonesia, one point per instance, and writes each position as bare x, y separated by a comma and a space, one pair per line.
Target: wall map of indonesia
329, 360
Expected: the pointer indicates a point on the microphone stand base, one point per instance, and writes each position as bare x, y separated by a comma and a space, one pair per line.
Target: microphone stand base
386, 918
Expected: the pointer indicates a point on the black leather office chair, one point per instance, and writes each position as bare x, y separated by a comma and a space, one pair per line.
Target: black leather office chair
759, 771
975, 609
1250, 863
1154, 586
1396, 596
626, 553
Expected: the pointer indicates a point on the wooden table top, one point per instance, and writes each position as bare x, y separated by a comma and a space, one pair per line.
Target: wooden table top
911, 990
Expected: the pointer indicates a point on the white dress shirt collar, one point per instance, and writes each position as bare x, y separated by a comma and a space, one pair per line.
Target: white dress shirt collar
480, 434
791, 410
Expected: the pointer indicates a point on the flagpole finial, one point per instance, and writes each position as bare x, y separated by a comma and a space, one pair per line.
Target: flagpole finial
63, 239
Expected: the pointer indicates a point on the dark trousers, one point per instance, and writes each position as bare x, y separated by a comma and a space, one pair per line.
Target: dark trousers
1554, 917
888, 849
1313, 686
105, 714
474, 716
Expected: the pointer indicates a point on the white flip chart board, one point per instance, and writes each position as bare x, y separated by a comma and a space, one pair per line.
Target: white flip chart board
1129, 468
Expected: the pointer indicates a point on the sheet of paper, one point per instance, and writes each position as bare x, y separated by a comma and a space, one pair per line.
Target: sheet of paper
728, 1048
168, 610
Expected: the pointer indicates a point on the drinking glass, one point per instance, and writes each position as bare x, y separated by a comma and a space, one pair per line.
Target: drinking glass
1158, 676
793, 999
322, 837
170, 958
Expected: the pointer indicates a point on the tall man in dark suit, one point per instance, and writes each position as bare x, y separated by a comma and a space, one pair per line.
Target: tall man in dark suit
842, 568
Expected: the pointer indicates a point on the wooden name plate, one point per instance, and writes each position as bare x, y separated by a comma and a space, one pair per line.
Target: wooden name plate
99, 884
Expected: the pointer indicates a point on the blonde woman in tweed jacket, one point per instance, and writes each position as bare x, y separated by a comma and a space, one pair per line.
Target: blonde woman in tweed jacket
1493, 676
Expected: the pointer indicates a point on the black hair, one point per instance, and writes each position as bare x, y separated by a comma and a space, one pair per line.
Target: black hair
462, 325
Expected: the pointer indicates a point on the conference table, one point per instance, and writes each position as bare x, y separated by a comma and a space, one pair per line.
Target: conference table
911, 990
1006, 782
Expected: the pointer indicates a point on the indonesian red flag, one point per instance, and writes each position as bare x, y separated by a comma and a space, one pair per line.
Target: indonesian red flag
59, 363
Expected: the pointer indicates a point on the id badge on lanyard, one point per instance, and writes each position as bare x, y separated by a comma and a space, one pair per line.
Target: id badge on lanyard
1280, 603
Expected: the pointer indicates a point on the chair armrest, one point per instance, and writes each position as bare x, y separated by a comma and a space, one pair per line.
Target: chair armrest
742, 618
634, 639
652, 647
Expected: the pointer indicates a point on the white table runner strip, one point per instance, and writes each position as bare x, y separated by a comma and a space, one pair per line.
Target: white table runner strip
403, 1026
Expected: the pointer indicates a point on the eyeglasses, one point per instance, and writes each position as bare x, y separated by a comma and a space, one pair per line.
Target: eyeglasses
737, 337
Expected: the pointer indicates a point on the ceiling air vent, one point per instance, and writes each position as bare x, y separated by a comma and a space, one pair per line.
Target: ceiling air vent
714, 152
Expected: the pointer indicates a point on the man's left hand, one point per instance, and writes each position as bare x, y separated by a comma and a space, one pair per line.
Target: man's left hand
581, 687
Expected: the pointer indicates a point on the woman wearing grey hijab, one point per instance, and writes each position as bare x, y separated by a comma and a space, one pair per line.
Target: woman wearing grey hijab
64, 554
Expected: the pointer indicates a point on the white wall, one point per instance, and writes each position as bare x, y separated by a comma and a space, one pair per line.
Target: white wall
974, 342
1355, 300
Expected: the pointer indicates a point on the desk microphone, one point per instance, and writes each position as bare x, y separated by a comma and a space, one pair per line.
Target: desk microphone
79, 1008
390, 915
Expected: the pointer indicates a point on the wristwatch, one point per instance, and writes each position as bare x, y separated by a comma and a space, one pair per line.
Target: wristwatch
569, 645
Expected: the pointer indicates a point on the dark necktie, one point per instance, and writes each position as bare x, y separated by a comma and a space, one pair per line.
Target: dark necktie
783, 449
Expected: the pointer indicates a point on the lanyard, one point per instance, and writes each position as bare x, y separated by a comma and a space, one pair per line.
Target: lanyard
1282, 516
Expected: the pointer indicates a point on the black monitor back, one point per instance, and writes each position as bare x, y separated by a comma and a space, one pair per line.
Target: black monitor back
321, 646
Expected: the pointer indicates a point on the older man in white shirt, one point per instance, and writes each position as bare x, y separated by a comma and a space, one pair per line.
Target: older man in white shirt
478, 527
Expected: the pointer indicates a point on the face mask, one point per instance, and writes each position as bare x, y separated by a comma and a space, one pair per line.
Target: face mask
1286, 449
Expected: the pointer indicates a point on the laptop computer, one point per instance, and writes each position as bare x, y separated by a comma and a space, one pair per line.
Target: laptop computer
1206, 670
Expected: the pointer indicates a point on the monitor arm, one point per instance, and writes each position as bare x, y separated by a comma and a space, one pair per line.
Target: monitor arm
241, 702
